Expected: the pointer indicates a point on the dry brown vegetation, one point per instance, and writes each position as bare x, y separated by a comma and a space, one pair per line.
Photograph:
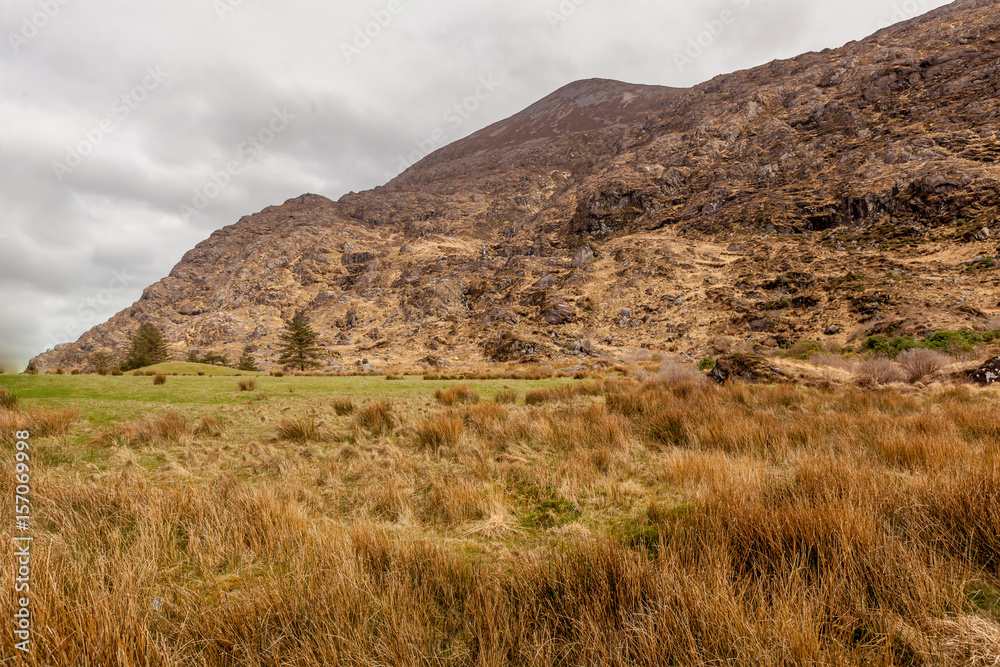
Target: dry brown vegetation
343, 405
608, 523
878, 371
247, 384
456, 395
919, 364
8, 399
376, 417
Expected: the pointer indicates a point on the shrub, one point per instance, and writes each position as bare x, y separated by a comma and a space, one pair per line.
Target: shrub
299, 429
376, 417
706, 364
878, 370
116, 372
883, 346
456, 395
673, 372
440, 431
8, 399
247, 384
343, 406
921, 363
160, 379
506, 395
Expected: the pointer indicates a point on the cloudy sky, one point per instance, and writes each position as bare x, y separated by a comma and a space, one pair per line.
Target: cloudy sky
129, 131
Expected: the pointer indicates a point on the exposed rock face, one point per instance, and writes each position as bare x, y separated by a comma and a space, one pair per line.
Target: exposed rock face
761, 205
745, 367
988, 374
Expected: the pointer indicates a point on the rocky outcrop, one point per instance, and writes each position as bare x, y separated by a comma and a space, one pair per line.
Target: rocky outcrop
638, 216
988, 373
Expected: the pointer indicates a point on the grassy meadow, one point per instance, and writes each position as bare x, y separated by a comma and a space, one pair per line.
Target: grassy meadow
368, 521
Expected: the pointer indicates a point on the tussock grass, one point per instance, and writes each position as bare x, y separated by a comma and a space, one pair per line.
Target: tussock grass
210, 426
159, 379
8, 399
247, 384
644, 523
343, 405
441, 431
506, 395
299, 429
377, 418
168, 427
456, 395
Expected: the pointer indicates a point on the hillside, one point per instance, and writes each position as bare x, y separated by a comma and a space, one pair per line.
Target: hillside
851, 190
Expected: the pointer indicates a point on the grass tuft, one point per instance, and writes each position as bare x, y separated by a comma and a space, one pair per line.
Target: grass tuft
247, 384
457, 395
377, 418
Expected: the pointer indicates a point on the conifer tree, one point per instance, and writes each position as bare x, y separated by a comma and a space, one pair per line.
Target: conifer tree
148, 348
299, 344
247, 362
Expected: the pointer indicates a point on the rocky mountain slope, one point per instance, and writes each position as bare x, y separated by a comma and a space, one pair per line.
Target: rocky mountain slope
847, 191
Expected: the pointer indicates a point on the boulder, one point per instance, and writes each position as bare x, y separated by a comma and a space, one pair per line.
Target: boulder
745, 367
559, 313
509, 347
988, 373
583, 256
350, 258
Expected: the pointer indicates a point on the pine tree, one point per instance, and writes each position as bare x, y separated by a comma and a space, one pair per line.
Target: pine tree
299, 344
148, 348
247, 362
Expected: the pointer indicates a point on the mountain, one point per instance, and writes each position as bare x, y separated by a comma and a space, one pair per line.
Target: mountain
854, 190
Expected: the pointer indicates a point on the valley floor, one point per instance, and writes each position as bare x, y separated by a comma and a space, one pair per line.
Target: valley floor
366, 521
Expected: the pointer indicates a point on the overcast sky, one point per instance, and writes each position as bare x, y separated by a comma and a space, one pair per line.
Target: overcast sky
129, 131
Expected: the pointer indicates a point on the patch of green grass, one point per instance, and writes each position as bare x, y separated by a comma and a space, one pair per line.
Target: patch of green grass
950, 342
984, 597
552, 513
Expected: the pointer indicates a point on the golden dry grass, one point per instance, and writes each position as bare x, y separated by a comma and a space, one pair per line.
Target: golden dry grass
616, 523
456, 395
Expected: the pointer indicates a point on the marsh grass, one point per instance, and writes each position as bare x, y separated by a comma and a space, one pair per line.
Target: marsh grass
612, 523
457, 395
